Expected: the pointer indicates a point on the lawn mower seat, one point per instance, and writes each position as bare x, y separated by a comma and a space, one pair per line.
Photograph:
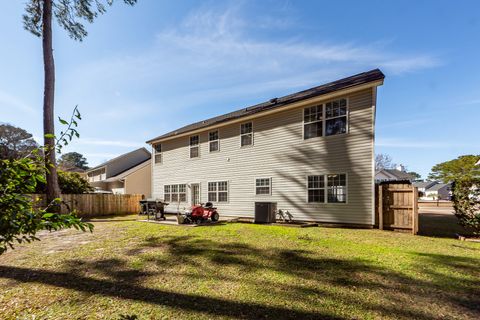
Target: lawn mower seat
208, 205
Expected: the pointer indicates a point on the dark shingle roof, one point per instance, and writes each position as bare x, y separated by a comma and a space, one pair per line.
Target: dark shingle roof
399, 174
424, 184
358, 79
121, 156
437, 187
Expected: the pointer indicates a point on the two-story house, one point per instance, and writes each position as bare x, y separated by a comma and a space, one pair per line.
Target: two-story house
311, 153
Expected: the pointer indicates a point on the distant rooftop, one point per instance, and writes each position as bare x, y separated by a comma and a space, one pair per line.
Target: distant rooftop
424, 184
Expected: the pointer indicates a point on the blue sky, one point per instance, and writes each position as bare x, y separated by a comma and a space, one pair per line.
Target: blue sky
146, 70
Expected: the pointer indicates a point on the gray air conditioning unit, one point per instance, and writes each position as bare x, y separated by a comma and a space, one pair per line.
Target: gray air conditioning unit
265, 212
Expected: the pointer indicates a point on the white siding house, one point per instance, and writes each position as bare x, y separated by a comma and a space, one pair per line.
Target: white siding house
311, 153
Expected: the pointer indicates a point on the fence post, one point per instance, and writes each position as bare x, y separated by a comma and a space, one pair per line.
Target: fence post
415, 210
380, 207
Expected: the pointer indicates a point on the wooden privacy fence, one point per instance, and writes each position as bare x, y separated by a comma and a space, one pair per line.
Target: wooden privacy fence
397, 207
98, 204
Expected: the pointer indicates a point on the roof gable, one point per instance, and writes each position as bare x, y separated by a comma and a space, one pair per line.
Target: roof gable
122, 175
124, 162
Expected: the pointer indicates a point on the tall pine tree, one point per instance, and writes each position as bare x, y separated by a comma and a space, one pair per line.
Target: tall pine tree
70, 15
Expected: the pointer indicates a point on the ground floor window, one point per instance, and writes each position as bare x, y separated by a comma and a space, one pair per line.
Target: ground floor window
218, 191
337, 188
263, 186
330, 188
175, 193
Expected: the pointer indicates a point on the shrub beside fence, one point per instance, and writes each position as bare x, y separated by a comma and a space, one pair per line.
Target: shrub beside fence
98, 204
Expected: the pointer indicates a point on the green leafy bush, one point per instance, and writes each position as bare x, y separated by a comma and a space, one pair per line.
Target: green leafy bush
464, 173
20, 216
466, 202
69, 182
73, 183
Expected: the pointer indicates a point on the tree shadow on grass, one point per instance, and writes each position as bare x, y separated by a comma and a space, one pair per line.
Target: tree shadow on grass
130, 291
315, 276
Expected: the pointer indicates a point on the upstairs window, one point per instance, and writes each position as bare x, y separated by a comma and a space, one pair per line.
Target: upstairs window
246, 134
313, 122
194, 146
218, 191
326, 119
213, 141
336, 117
263, 186
158, 153
97, 175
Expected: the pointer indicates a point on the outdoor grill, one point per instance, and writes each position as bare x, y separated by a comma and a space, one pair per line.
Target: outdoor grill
153, 207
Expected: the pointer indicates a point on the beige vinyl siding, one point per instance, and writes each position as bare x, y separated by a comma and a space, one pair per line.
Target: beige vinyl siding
140, 181
280, 153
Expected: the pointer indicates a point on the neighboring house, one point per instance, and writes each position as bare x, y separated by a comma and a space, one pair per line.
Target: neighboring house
310, 152
423, 186
397, 174
129, 173
439, 191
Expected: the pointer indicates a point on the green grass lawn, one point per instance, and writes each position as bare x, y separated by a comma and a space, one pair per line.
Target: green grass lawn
239, 271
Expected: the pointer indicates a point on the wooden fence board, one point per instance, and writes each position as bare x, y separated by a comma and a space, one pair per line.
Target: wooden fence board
97, 204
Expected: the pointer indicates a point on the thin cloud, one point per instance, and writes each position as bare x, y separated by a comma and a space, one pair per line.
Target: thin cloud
414, 144
470, 102
217, 50
116, 143
404, 123
106, 155
11, 102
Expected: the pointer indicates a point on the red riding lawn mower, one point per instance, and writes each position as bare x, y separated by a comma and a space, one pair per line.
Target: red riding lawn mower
199, 213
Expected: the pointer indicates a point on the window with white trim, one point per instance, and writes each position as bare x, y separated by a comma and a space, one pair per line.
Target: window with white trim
175, 193
330, 188
218, 191
337, 188
246, 134
313, 122
174, 189
97, 175
326, 119
194, 146
158, 153
336, 117
316, 189
166, 193
263, 186
213, 141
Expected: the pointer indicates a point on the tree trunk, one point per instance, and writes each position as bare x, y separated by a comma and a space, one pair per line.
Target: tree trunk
52, 188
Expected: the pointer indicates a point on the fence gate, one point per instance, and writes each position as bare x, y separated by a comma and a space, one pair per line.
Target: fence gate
397, 207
